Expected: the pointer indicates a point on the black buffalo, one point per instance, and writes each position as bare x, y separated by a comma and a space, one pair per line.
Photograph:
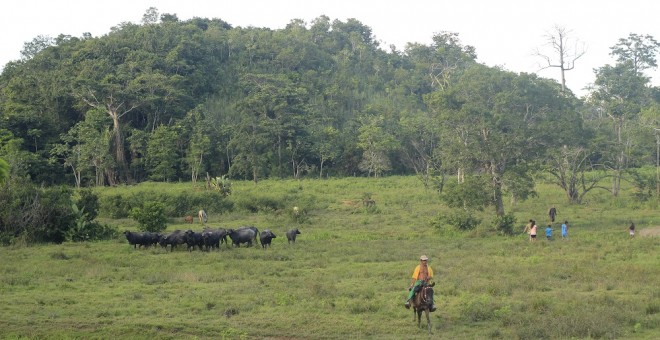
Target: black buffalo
265, 237
243, 235
291, 235
137, 239
213, 238
194, 239
173, 239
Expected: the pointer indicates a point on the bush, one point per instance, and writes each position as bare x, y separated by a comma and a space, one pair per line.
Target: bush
88, 202
151, 217
260, 204
459, 219
85, 229
504, 224
178, 204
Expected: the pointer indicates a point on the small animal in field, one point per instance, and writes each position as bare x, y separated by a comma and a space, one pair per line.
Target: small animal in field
266, 237
188, 219
201, 215
291, 235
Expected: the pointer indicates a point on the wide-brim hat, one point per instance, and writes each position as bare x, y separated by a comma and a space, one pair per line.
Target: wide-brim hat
423, 258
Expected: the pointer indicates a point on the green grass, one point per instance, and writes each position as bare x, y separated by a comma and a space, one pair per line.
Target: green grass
347, 275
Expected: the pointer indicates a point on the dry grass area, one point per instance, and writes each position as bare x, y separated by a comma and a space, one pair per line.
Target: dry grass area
652, 231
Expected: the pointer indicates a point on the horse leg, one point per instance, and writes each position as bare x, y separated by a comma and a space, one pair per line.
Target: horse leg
428, 320
419, 318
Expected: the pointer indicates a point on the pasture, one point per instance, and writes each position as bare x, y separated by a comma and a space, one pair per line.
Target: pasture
346, 277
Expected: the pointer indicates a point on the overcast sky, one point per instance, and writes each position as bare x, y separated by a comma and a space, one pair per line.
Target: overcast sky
504, 32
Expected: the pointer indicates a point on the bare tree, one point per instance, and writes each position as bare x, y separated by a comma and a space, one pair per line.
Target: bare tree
563, 48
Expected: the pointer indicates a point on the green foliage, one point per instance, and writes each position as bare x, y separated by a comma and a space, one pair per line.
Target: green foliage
176, 203
85, 229
472, 194
459, 219
169, 99
222, 185
162, 157
260, 203
504, 224
4, 171
88, 201
645, 183
151, 216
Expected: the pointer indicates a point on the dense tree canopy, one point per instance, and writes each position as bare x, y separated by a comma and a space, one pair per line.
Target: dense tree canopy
170, 100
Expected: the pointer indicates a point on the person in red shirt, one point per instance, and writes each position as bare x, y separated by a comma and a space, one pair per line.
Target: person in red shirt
422, 274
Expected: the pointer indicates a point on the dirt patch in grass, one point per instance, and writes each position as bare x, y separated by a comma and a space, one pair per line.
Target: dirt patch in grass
653, 231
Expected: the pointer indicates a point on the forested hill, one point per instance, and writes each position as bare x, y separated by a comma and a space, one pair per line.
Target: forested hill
170, 100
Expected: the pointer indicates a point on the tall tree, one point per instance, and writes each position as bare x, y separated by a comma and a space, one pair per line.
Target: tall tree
639, 50
493, 120
199, 143
621, 91
565, 51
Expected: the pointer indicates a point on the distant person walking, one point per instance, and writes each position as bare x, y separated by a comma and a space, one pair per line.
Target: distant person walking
631, 229
564, 230
548, 233
528, 229
552, 213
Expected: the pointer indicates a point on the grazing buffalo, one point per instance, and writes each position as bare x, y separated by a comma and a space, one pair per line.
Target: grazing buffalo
141, 239
213, 238
291, 235
151, 238
173, 239
202, 216
243, 235
265, 237
188, 219
194, 239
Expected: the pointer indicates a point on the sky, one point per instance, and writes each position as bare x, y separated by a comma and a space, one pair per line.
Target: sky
505, 33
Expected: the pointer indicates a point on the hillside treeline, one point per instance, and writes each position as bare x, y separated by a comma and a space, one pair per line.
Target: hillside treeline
188, 100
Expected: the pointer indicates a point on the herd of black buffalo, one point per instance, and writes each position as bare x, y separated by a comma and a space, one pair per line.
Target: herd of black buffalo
207, 239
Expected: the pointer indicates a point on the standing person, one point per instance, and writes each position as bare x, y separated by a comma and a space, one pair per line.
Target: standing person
532, 232
564, 230
528, 228
631, 229
552, 213
548, 232
422, 274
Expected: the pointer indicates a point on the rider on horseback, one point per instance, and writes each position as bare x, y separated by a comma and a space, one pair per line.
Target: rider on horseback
422, 274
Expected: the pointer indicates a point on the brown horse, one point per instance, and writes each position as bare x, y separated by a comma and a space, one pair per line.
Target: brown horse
422, 302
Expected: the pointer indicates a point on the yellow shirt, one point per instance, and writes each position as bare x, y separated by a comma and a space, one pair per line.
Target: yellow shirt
416, 272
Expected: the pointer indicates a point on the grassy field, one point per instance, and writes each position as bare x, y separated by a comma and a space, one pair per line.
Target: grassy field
347, 276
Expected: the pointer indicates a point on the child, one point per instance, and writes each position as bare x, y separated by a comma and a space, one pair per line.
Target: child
564, 230
548, 232
631, 229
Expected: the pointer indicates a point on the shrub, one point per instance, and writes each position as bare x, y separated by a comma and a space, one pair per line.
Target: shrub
504, 224
459, 219
88, 202
174, 204
86, 230
33, 214
115, 206
151, 217
260, 204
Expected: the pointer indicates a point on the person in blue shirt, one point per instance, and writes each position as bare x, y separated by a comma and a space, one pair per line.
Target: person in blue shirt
548, 232
564, 230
